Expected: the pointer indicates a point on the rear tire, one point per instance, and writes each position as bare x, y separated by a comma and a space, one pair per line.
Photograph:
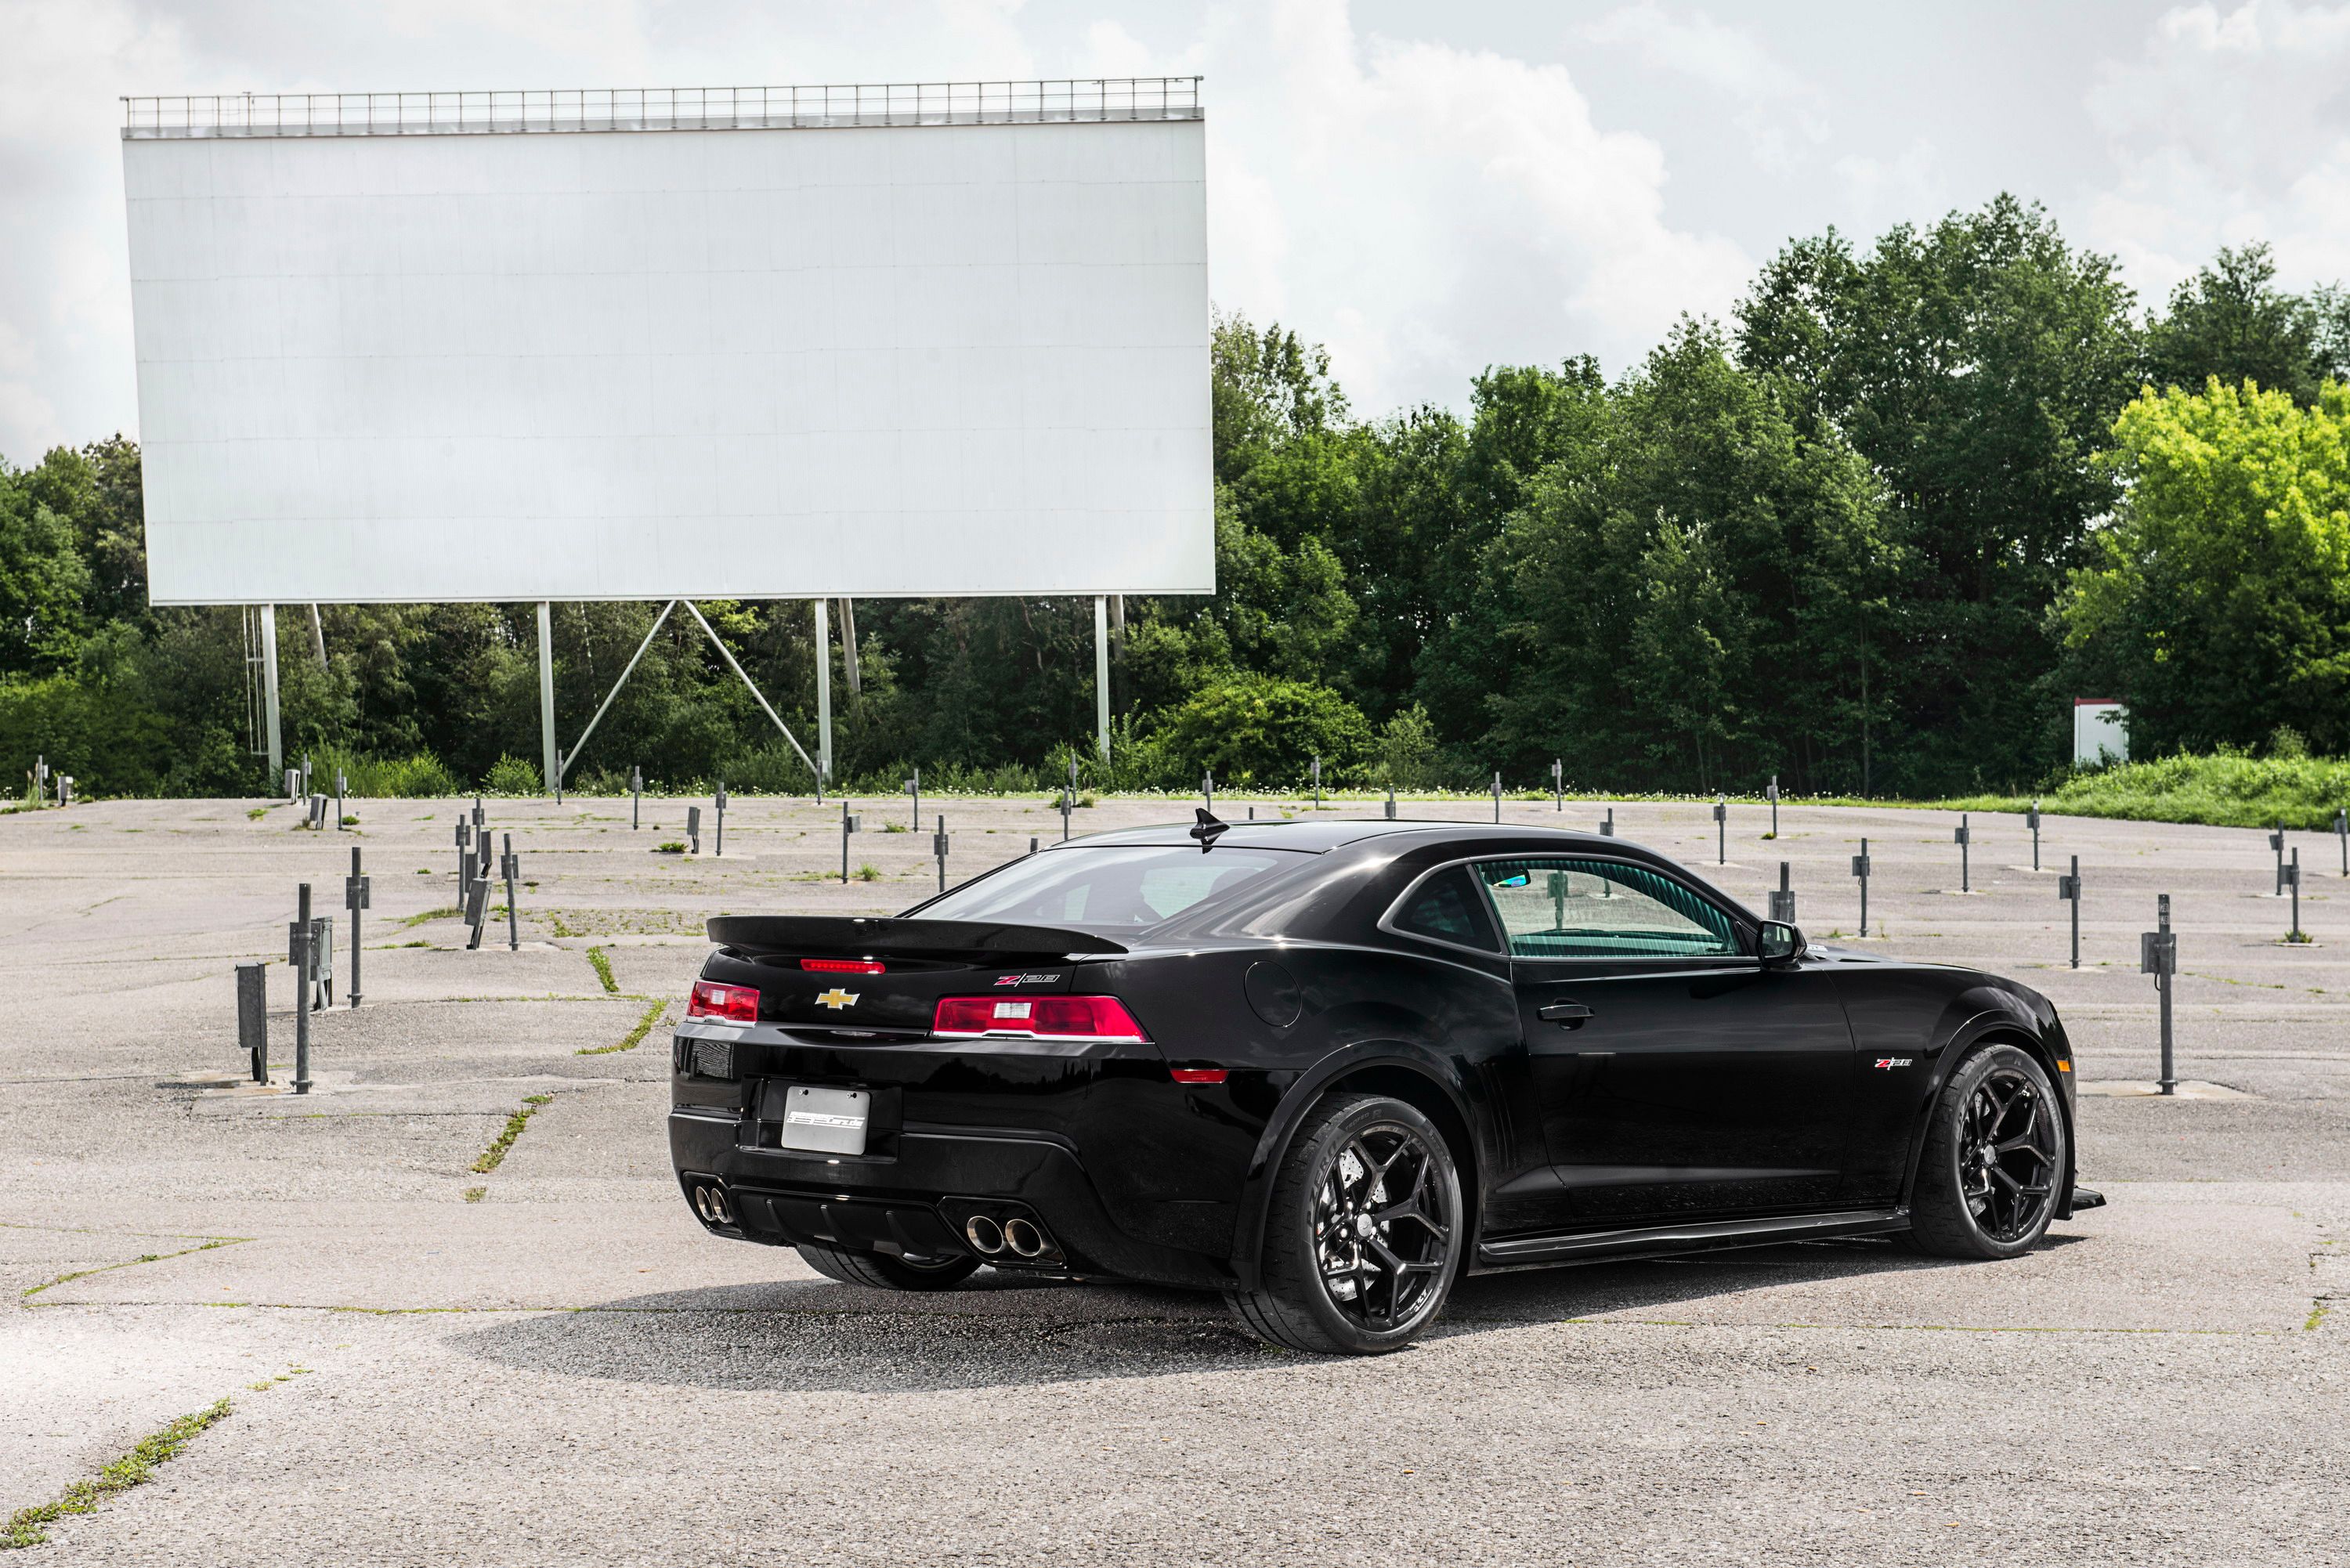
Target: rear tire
881, 1271
1994, 1157
1364, 1234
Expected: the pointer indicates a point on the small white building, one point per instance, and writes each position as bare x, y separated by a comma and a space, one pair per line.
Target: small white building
2100, 731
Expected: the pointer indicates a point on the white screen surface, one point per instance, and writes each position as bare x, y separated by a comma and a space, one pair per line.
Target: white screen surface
766, 363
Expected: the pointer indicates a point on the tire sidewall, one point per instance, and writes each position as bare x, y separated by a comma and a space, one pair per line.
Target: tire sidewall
1300, 1184
1942, 1148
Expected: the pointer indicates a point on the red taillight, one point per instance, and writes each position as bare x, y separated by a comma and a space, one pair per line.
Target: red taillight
1198, 1075
844, 966
728, 1004
1037, 1017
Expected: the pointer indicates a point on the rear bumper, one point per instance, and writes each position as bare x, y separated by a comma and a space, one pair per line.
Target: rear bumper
916, 1200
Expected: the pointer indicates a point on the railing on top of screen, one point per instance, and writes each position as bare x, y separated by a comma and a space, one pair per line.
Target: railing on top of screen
663, 108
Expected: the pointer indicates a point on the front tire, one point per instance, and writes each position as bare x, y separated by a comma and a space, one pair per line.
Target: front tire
1364, 1235
1995, 1153
881, 1271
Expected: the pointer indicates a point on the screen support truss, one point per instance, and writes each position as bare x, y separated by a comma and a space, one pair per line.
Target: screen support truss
565, 759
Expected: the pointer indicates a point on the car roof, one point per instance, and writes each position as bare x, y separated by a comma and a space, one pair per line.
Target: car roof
1322, 833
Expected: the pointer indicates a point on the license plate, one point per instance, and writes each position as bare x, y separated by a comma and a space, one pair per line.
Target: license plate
828, 1121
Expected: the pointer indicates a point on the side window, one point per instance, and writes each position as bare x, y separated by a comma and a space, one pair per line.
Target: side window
1600, 909
1446, 908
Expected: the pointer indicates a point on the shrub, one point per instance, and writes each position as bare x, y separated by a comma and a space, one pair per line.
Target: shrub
512, 775
1255, 729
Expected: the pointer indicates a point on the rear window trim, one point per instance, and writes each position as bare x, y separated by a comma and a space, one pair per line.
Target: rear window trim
1387, 922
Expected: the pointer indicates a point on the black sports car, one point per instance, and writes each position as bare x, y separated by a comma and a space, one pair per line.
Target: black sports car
1324, 1066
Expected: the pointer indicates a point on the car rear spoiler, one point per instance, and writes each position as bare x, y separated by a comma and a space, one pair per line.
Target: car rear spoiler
861, 936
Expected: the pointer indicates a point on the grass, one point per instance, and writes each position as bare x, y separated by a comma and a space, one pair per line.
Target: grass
475, 1194
2229, 790
635, 1037
447, 912
25, 1527
132, 1264
256, 814
869, 873
494, 1156
669, 846
603, 967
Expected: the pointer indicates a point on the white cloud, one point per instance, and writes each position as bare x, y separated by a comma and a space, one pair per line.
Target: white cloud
1441, 209
2227, 127
1777, 105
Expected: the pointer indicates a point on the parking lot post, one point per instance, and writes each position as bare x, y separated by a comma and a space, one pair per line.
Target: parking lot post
253, 1016
298, 938
464, 836
1497, 800
2293, 881
1771, 793
2276, 843
1317, 783
2342, 831
849, 824
1558, 785
2032, 820
939, 848
718, 838
40, 782
2068, 887
1783, 901
2159, 956
1722, 829
1607, 825
914, 788
342, 784
355, 898
636, 797
1066, 804
1964, 836
1860, 869
509, 866
693, 829
1208, 789
1391, 815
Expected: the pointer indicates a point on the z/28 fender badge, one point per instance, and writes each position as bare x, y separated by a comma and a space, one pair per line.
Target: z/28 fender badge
1889, 1062
836, 999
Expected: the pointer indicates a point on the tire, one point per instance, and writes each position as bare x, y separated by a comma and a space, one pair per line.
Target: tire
1339, 1166
881, 1272
1988, 1179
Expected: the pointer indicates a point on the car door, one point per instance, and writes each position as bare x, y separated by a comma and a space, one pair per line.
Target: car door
1677, 1077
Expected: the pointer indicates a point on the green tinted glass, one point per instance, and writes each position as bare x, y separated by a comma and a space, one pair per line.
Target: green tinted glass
1599, 909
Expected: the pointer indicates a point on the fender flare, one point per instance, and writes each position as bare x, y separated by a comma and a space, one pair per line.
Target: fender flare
1281, 1130
2006, 1017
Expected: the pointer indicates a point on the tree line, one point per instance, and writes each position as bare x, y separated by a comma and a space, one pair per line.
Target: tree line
1870, 535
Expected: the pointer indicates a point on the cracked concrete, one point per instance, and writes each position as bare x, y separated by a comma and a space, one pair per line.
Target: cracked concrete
567, 1369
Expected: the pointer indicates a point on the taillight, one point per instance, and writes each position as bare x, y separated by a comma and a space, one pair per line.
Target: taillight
727, 1004
844, 966
1037, 1017
1197, 1074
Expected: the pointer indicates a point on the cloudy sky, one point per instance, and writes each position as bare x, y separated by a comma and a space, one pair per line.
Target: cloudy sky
1428, 188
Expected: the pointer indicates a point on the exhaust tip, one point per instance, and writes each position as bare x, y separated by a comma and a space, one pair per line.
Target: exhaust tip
702, 1202
1023, 1236
984, 1234
718, 1209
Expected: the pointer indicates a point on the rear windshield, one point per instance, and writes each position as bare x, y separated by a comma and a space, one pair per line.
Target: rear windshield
1106, 890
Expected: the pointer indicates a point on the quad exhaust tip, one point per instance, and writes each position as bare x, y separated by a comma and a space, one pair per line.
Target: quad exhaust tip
984, 1234
1023, 1236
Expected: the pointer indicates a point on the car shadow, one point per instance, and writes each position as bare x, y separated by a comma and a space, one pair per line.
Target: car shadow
814, 1335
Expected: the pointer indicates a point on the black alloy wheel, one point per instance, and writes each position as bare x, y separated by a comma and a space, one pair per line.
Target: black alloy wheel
1363, 1238
1994, 1159
881, 1271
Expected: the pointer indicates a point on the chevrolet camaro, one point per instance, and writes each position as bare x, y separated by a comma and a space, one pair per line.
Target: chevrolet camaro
1326, 1068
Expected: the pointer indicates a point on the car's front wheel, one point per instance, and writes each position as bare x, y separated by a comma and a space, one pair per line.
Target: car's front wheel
884, 1273
1994, 1155
1363, 1238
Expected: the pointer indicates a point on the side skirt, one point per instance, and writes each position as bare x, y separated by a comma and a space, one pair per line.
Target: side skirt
1652, 1241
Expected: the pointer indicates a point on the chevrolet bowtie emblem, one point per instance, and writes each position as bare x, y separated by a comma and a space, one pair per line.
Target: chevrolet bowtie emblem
836, 998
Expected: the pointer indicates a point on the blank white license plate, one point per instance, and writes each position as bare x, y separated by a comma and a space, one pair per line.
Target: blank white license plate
831, 1121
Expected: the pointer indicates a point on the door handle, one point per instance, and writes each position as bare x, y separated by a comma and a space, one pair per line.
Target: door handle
1565, 1014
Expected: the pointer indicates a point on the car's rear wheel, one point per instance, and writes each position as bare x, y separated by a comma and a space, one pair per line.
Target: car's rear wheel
1363, 1236
1994, 1155
884, 1273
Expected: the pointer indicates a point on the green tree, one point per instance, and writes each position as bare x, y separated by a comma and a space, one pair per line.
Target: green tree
2219, 604
44, 582
2232, 321
1254, 729
1976, 365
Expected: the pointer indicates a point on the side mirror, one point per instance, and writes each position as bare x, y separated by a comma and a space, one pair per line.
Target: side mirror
1779, 944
